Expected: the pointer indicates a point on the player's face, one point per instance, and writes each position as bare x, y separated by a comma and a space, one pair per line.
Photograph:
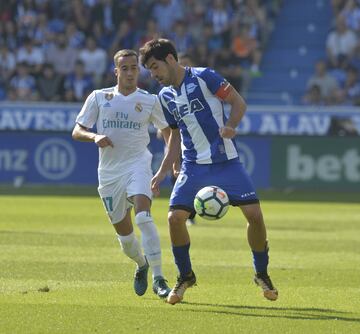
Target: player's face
161, 71
127, 72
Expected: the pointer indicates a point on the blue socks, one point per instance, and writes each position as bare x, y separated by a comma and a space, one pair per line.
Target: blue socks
182, 259
261, 260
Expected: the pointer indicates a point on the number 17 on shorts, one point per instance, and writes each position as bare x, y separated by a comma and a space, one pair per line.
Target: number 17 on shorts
108, 203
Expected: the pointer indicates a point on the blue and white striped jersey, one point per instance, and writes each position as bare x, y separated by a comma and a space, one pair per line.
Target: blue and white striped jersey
195, 109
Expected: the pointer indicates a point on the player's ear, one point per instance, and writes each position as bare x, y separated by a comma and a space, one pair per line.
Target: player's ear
170, 59
115, 71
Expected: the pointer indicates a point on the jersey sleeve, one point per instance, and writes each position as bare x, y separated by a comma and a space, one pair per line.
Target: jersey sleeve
157, 116
89, 112
170, 119
217, 85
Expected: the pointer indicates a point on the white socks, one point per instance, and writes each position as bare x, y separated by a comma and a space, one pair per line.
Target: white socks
150, 241
131, 248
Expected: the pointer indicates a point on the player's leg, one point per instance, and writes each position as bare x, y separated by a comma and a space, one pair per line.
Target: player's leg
138, 188
118, 210
256, 230
256, 234
180, 241
181, 206
150, 242
233, 178
132, 249
191, 220
128, 241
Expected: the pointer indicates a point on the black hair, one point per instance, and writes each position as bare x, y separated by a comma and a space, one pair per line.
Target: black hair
159, 49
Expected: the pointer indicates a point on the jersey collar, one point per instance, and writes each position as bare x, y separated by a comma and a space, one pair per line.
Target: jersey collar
116, 92
187, 74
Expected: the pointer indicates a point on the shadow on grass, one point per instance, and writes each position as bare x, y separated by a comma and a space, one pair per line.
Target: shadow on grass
276, 312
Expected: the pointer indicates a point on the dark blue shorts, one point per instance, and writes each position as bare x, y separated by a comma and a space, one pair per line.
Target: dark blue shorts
231, 176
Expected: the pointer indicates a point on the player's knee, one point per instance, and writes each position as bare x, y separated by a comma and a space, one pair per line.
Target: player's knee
175, 219
254, 216
143, 217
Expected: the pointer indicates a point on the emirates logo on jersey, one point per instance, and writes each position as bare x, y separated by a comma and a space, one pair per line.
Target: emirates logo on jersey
109, 96
138, 107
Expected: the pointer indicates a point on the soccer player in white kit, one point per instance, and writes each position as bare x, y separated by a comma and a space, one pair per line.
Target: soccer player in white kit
122, 115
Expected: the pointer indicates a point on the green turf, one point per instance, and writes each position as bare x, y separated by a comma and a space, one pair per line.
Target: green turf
288, 194
61, 271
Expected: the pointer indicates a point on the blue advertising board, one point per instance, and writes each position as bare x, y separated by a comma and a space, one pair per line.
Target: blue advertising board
36, 144
258, 120
38, 116
295, 121
35, 157
55, 158
255, 154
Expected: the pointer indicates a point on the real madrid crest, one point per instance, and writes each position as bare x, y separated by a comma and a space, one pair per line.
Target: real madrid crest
138, 107
109, 96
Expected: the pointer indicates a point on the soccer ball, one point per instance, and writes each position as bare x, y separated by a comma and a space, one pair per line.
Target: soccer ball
211, 203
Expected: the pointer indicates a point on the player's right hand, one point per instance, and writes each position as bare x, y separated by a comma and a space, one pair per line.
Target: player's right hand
155, 183
176, 168
103, 141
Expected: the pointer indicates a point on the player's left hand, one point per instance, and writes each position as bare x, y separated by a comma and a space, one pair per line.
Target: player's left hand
227, 132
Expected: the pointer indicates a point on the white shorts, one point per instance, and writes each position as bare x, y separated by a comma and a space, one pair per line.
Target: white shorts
115, 196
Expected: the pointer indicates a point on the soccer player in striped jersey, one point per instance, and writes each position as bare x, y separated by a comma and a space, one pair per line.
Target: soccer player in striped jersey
122, 115
192, 101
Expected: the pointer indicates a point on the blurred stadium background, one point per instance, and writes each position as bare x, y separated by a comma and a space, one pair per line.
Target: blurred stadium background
295, 62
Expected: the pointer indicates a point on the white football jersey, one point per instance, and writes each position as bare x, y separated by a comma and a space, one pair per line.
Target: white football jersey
125, 120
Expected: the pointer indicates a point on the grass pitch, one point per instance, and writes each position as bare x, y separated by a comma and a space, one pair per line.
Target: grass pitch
61, 271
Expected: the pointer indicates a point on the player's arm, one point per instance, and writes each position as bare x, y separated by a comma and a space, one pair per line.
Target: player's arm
86, 119
171, 155
83, 134
227, 93
237, 110
165, 133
